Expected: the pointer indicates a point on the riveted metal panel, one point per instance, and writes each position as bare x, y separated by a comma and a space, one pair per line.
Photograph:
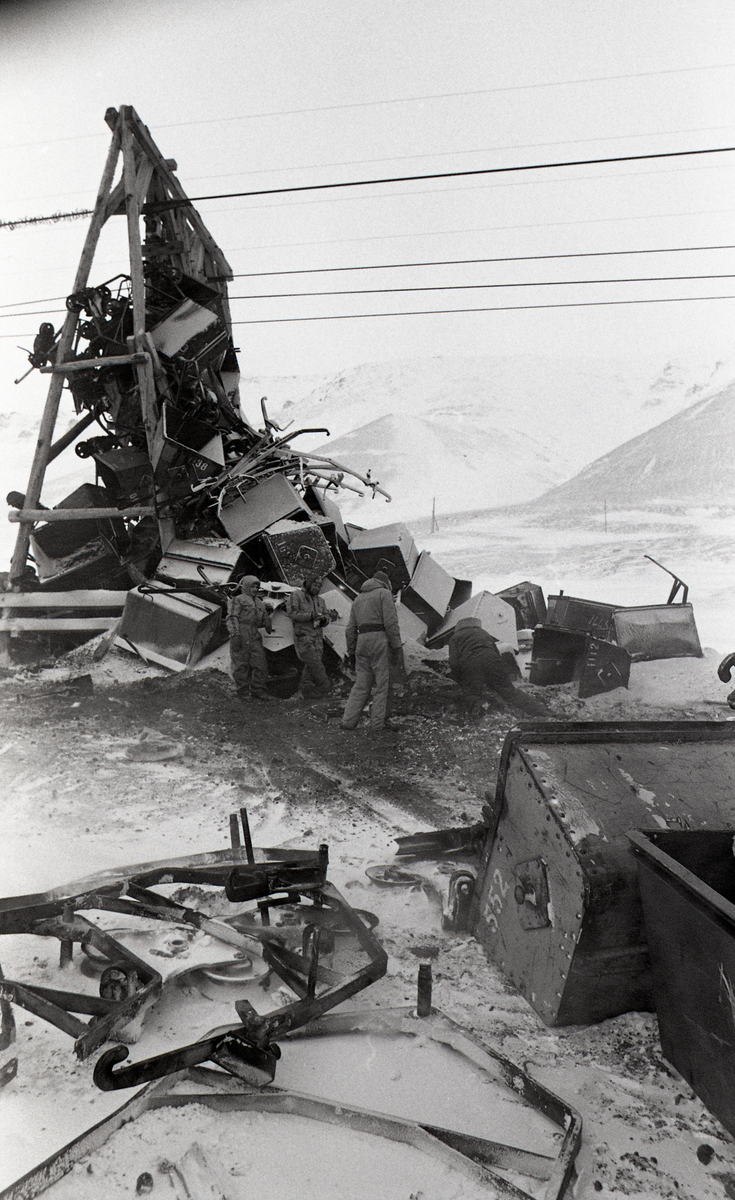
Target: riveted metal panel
536, 960
567, 795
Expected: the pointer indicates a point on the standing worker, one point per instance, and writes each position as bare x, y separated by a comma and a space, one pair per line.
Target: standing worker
373, 640
309, 615
246, 616
475, 663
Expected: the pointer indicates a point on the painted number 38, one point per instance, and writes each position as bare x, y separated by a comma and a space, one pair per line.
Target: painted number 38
494, 902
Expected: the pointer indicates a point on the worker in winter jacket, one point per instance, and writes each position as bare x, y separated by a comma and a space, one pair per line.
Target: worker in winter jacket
309, 615
246, 616
475, 663
373, 641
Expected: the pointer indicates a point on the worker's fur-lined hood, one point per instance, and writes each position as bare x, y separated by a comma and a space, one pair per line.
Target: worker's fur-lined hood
371, 585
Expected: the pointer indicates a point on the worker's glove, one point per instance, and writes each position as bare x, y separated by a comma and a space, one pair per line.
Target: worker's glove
324, 620
236, 641
333, 614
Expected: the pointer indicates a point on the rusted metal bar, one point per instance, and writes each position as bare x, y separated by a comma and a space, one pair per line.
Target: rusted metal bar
246, 835
423, 999
47, 1010
66, 949
234, 832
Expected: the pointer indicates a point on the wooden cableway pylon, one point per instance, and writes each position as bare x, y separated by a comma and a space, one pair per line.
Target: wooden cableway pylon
146, 184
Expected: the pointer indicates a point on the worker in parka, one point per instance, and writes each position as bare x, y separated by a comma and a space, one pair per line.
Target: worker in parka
475, 662
309, 615
246, 616
373, 643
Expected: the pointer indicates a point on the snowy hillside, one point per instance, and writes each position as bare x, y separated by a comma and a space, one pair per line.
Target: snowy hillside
468, 433
476, 432
687, 460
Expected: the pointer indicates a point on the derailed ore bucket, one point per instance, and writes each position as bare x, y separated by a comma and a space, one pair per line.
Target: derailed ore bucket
557, 904
688, 887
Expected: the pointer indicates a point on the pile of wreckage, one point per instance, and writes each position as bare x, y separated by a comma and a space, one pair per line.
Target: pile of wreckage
189, 496
600, 881
265, 930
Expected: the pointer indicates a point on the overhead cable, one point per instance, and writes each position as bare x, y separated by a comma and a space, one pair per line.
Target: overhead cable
447, 262
431, 312
167, 205
355, 162
456, 262
515, 87
467, 287
454, 287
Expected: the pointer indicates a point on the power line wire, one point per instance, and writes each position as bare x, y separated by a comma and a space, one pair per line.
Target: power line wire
501, 308
387, 237
454, 287
467, 287
168, 205
431, 312
165, 206
353, 162
516, 87
449, 262
457, 262
449, 190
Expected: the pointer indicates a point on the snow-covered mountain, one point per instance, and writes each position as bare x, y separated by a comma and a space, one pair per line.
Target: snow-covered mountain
683, 462
463, 433
470, 433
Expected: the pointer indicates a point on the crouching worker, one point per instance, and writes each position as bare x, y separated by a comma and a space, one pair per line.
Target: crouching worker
246, 616
374, 641
309, 615
474, 661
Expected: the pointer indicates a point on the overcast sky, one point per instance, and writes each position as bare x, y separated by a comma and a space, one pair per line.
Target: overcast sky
259, 94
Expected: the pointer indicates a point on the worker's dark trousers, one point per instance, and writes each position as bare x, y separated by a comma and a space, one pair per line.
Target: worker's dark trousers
372, 674
248, 662
310, 649
485, 670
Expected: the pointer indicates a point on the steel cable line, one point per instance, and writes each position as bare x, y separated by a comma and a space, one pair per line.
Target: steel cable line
390, 237
455, 262
356, 162
168, 205
516, 87
456, 287
483, 186
472, 287
165, 206
431, 312
467, 287
447, 262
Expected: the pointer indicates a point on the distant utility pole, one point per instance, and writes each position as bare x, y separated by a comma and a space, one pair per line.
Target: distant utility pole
434, 526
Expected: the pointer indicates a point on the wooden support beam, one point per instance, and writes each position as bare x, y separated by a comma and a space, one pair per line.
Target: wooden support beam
82, 598
70, 436
29, 516
145, 141
48, 420
56, 624
86, 364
